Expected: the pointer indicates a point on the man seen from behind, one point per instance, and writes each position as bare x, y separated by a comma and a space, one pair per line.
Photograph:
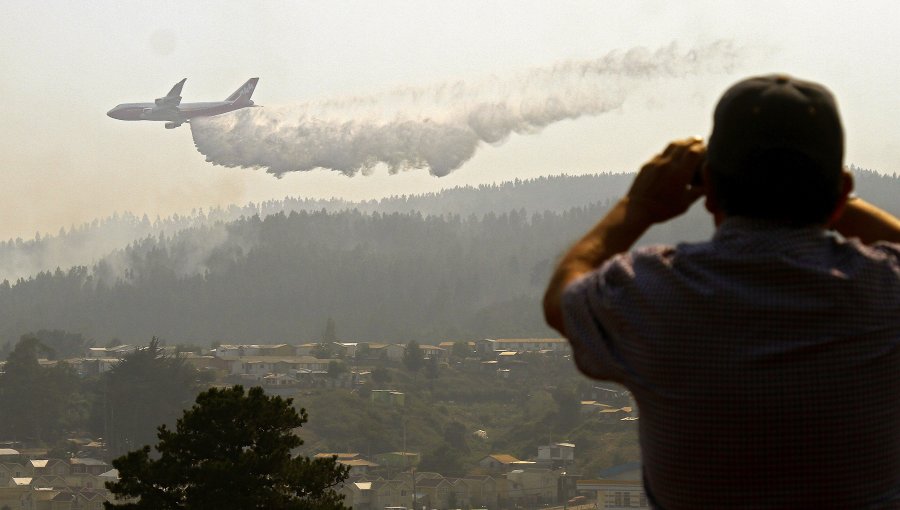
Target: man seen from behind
765, 362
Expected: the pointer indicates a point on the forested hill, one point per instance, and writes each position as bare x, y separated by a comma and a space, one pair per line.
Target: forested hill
87, 243
392, 276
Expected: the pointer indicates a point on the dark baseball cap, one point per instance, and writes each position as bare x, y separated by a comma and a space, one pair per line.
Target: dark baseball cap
775, 112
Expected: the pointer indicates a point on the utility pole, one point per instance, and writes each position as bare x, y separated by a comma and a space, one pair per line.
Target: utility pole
413, 471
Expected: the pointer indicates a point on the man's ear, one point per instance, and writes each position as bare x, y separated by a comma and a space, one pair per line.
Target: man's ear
712, 201
846, 191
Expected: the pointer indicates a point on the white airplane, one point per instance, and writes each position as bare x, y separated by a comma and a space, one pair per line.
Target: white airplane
175, 113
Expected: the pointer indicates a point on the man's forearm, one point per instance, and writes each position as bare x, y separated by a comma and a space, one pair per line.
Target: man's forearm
659, 192
619, 229
867, 222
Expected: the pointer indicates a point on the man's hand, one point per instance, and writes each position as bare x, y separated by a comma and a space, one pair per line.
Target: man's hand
662, 190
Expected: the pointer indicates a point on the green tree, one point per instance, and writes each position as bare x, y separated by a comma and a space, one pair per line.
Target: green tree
432, 370
444, 459
461, 350
329, 336
38, 403
231, 450
381, 376
146, 388
455, 436
413, 358
62, 344
568, 406
336, 369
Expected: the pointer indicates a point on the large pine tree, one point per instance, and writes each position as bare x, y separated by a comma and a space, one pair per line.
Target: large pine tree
232, 450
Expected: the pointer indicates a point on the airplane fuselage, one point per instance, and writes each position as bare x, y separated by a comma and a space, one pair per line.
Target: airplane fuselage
171, 110
181, 113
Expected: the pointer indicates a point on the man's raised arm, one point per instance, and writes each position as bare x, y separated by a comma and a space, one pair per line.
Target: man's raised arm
867, 222
660, 191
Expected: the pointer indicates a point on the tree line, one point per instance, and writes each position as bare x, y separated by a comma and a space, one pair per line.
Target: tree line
47, 404
392, 277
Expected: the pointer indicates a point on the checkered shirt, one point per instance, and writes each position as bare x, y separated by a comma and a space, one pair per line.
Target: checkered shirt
765, 364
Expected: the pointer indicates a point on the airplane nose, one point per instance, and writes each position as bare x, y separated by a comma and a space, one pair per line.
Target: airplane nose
111, 113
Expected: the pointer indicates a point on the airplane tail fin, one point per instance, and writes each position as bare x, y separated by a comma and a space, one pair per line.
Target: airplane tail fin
245, 91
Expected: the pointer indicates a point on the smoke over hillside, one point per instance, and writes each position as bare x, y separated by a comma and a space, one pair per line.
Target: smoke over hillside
440, 127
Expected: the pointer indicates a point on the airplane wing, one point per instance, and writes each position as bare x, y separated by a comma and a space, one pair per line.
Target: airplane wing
173, 98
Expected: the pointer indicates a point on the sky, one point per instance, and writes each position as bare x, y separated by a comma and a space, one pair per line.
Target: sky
65, 64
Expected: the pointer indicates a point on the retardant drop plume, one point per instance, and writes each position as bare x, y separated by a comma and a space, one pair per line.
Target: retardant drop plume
440, 127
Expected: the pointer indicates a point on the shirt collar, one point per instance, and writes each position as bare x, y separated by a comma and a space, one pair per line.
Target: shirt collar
752, 234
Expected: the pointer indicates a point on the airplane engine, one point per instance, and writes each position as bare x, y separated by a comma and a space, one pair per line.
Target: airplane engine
172, 125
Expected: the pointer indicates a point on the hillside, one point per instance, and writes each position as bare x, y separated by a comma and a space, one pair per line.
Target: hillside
86, 244
388, 276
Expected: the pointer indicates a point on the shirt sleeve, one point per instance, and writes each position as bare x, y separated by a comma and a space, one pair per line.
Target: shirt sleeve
593, 344
892, 251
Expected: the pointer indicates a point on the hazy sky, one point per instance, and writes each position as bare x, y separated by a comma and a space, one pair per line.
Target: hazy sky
63, 161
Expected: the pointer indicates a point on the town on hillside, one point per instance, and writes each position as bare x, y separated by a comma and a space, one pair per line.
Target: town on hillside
544, 476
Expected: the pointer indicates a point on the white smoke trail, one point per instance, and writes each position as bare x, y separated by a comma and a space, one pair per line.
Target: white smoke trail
440, 127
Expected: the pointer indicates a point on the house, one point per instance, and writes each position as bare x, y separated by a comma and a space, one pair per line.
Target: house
279, 380
497, 462
50, 481
306, 349
391, 397
359, 466
435, 492
206, 362
236, 351
483, 491
401, 460
263, 365
558, 345
24, 481
46, 498
507, 357
346, 350
385, 493
12, 469
276, 350
389, 352
557, 453
83, 481
434, 352
615, 494
533, 486
448, 346
14, 496
116, 352
93, 366
85, 465
239, 350
357, 495
47, 467
89, 499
